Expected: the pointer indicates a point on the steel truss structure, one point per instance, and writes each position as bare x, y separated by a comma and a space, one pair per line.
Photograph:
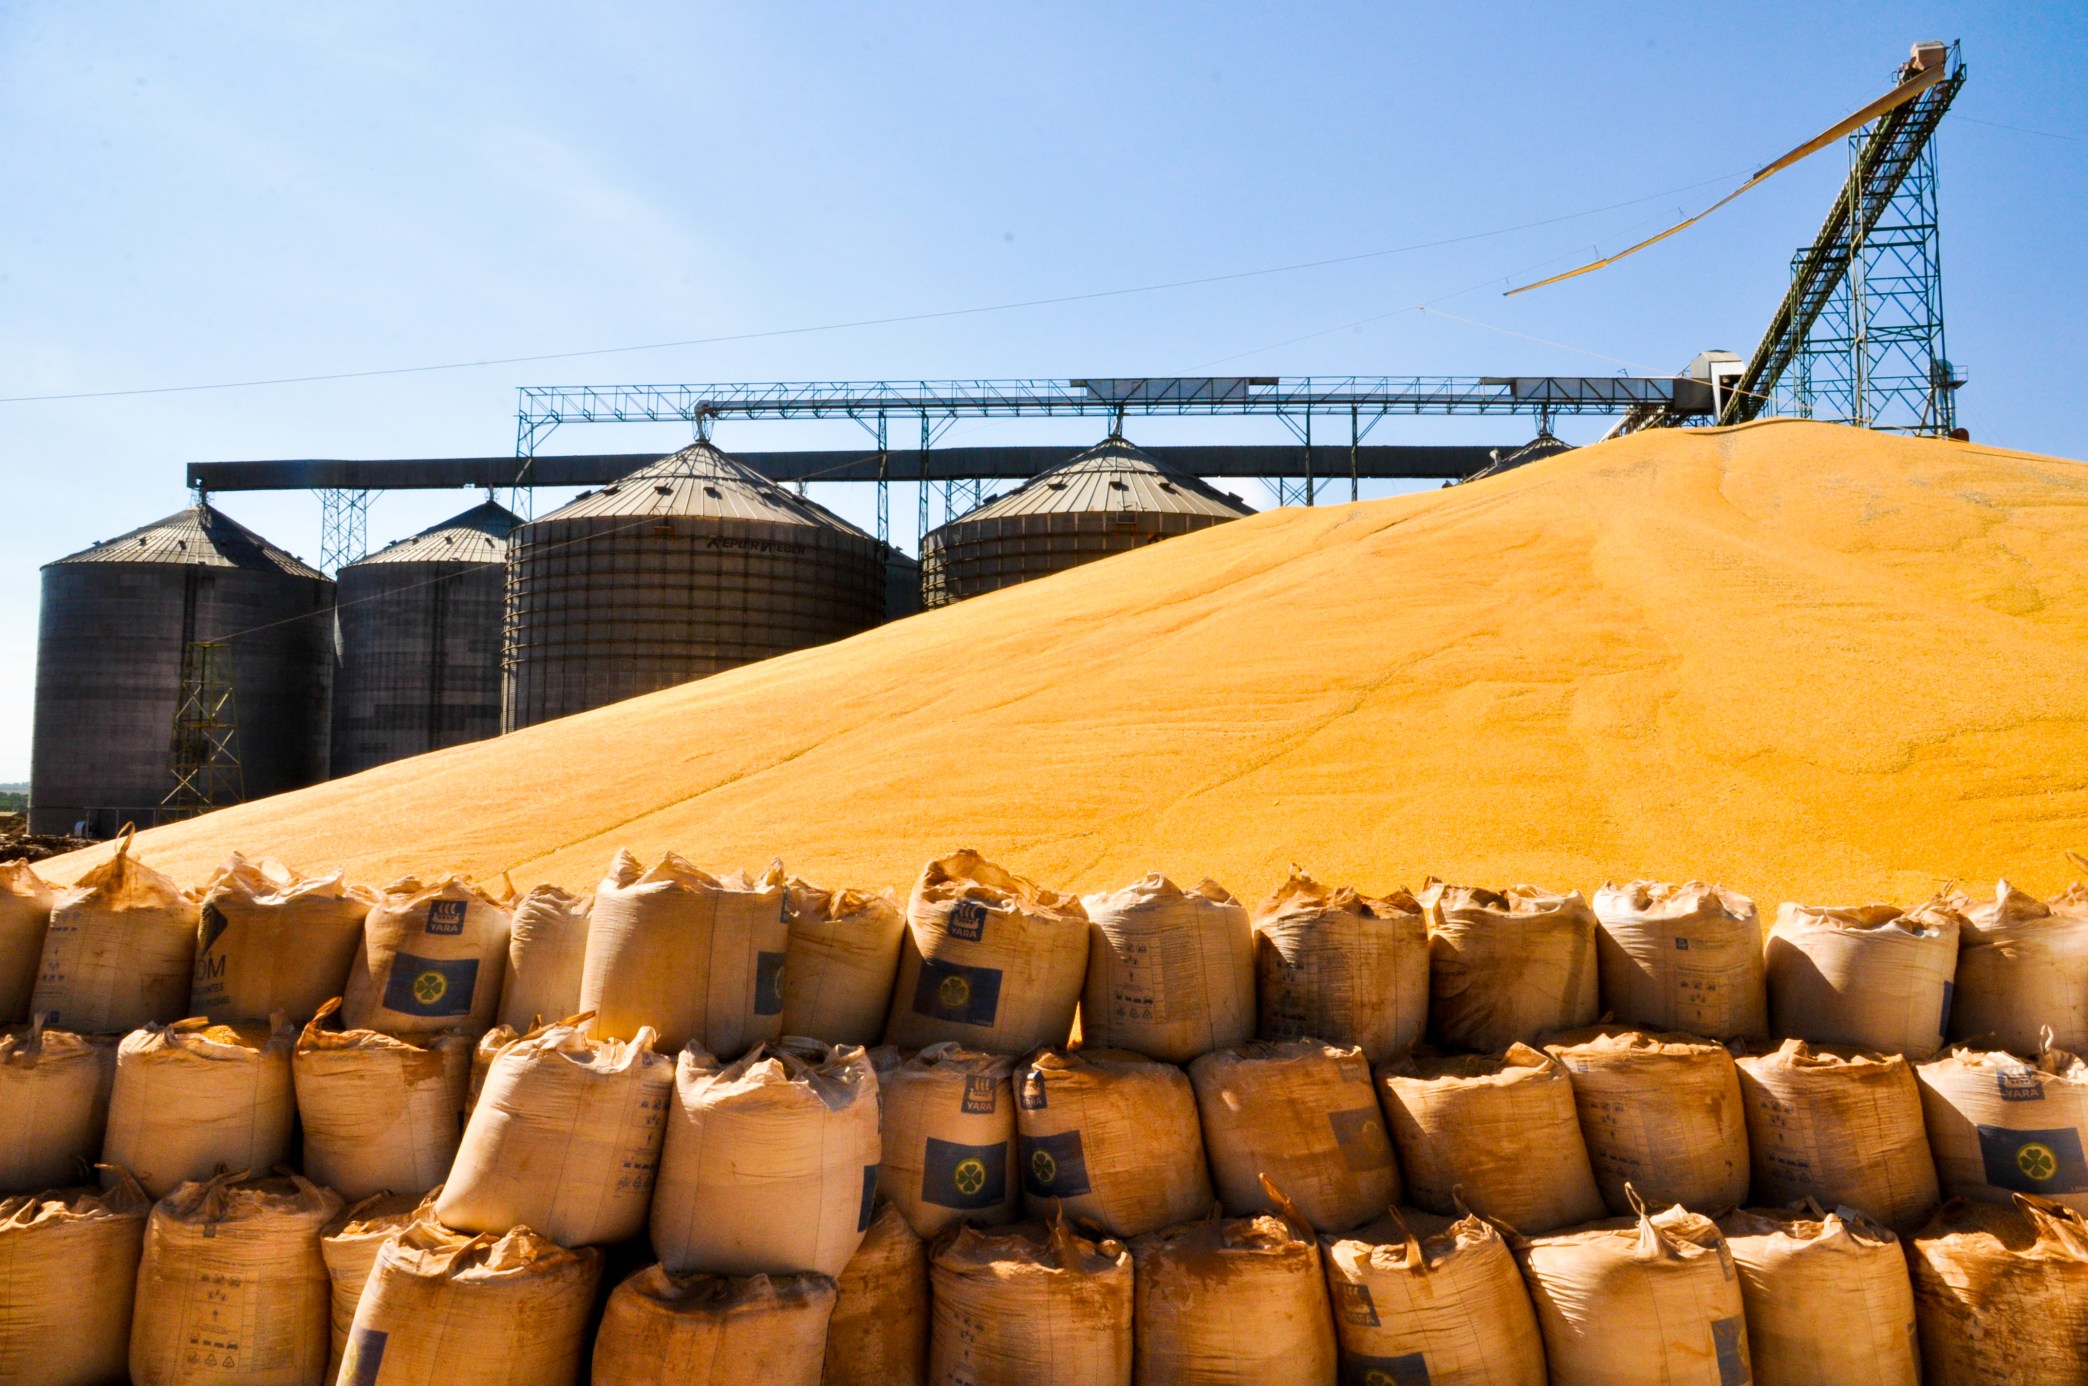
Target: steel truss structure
203, 752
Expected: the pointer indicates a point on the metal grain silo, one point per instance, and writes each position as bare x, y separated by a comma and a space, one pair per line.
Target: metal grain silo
688, 566
1110, 499
116, 620
420, 624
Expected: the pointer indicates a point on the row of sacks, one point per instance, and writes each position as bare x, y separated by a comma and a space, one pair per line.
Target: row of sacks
272, 1282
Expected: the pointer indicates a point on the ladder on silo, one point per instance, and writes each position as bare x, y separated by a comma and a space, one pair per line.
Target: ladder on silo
203, 756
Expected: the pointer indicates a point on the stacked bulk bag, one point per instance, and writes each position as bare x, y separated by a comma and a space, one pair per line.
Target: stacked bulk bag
119, 951
695, 957
1507, 966
1029, 1305
1498, 1131
232, 1290
841, 959
54, 1090
1113, 1138
1684, 958
349, 1245
1423, 1299
991, 960
25, 916
1305, 1115
1869, 976
68, 1274
565, 1138
1827, 1298
380, 1113
547, 952
714, 1330
1233, 1302
1342, 967
1170, 973
1648, 1299
2000, 1125
432, 958
770, 1162
949, 1138
1841, 1127
2001, 1294
272, 942
193, 1099
2022, 968
878, 1333
1661, 1112
482, 1310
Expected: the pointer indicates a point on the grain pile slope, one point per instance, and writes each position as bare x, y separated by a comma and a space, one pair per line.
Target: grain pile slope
1808, 661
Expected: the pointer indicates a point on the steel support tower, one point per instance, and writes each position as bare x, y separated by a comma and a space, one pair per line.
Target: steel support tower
203, 753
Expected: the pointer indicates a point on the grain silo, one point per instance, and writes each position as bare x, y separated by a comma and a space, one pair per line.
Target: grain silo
688, 566
420, 624
1109, 499
117, 619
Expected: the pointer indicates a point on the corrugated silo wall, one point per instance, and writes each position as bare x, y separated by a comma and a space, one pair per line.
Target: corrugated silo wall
420, 660
602, 609
968, 557
108, 673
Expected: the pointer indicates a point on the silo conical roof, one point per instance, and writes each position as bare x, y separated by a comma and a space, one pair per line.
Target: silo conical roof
1112, 475
479, 535
702, 482
202, 535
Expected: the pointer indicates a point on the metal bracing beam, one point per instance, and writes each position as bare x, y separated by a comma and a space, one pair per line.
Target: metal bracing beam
344, 524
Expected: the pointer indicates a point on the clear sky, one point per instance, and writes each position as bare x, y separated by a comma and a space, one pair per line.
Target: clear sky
201, 193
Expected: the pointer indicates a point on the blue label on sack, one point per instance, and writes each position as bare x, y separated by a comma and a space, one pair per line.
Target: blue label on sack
1354, 1304
1729, 1341
2034, 1162
950, 991
1407, 1369
967, 921
964, 1176
981, 1094
768, 984
869, 1198
1361, 1136
430, 986
445, 917
2019, 1085
1054, 1166
361, 1358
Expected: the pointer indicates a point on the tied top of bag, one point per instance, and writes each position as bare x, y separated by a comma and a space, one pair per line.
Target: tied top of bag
1517, 1063
677, 873
235, 1197
804, 901
1624, 1044
197, 1038
318, 1035
1934, 919
1799, 1057
785, 1071
1656, 901
1054, 1247
270, 884
1283, 1235
568, 1040
1414, 1242
722, 1294
408, 893
1515, 905
19, 880
427, 1249
125, 883
965, 875
1153, 889
2034, 1229
1807, 1224
1300, 894
26, 1046
33, 1212
2012, 912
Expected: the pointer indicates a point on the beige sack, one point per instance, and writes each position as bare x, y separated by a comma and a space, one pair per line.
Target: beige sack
431, 959
1827, 1298
991, 960
2022, 968
194, 1099
1661, 1112
1305, 1115
1872, 976
1233, 1302
547, 951
1337, 966
349, 1245
444, 1309
119, 951
1498, 1129
878, 1335
1505, 967
770, 1162
482, 1056
841, 960
1999, 1125
714, 1330
949, 1139
273, 942
1170, 973
1651, 1299
68, 1274
1113, 1137
1030, 1305
697, 958
232, 1290
1681, 958
1841, 1127
565, 1138
2001, 1294
379, 1112
25, 916
54, 1094
1418, 1298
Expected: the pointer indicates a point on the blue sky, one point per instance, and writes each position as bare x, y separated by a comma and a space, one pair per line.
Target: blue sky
207, 193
